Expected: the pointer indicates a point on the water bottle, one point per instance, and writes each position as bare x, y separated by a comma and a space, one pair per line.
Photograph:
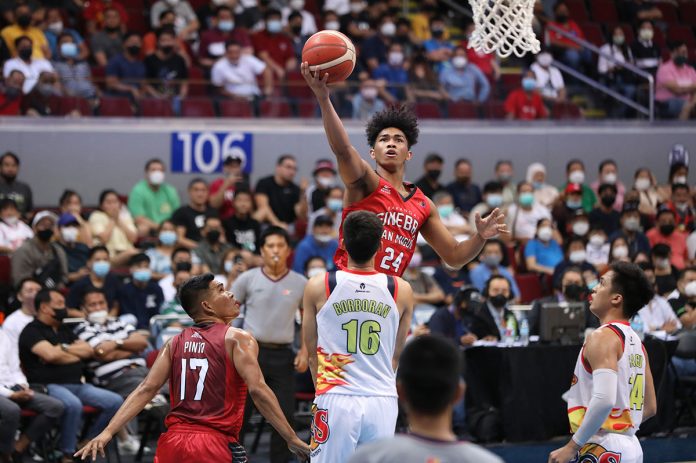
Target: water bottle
509, 337
637, 326
524, 332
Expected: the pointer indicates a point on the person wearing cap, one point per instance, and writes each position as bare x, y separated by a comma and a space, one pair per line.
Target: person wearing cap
13, 231
544, 193
665, 232
631, 230
575, 171
141, 296
320, 242
678, 173
605, 215
568, 205
222, 190
429, 182
333, 209
77, 253
39, 257
324, 178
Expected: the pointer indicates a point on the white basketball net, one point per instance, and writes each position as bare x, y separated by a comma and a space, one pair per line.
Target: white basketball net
503, 26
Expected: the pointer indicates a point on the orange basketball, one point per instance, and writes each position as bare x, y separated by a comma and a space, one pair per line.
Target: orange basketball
331, 52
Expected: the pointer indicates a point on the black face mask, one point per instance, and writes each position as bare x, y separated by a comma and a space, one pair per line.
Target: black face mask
25, 53
498, 301
60, 314
433, 174
24, 20
296, 29
111, 30
9, 178
213, 236
183, 267
437, 33
667, 229
133, 50
167, 49
573, 292
45, 235
464, 180
608, 201
562, 18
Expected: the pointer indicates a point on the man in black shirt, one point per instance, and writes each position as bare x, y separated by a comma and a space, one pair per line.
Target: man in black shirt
645, 52
242, 230
99, 277
11, 188
190, 219
279, 201
165, 68
52, 355
141, 297
604, 216
465, 193
428, 183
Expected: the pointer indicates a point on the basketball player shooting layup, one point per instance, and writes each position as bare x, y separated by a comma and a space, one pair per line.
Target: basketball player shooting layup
402, 207
209, 366
612, 391
355, 324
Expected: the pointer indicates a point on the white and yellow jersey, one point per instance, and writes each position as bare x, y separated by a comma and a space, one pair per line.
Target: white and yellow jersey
356, 334
627, 414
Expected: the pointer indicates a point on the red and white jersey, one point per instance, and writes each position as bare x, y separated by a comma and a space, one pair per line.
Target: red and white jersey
402, 219
204, 386
627, 414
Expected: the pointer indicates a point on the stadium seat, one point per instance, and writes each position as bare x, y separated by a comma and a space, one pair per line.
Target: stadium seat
681, 33
275, 108
115, 106
659, 37
235, 108
5, 269
687, 10
197, 107
494, 110
530, 287
137, 21
462, 110
62, 105
427, 110
593, 33
296, 86
669, 12
306, 108
565, 111
603, 11
156, 107
577, 10
511, 81
197, 82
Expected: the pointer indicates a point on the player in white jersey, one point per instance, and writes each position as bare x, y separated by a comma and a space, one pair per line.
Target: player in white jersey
612, 391
354, 326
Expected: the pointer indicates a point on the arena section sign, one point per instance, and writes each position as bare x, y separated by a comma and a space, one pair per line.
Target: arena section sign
204, 152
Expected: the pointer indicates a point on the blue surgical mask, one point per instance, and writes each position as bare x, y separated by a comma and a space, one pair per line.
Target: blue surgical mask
574, 204
101, 268
445, 210
334, 204
528, 84
228, 266
494, 199
68, 49
538, 185
526, 199
142, 275
167, 237
274, 26
226, 26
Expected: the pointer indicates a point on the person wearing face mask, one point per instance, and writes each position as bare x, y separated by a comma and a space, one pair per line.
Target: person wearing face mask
683, 298
108, 41
608, 173
564, 49
213, 246
613, 75
464, 81
355, 23
523, 216
597, 250
212, 44
274, 47
186, 22
22, 28
55, 28
543, 253
294, 27
645, 184
76, 252
544, 193
152, 200
549, 80
99, 277
665, 232
605, 215
161, 254
11, 94
631, 230
393, 73
13, 231
680, 204
307, 23
457, 225
427, 294
27, 64
321, 242
315, 266
578, 224
423, 83
438, 49
489, 320
568, 206
575, 173
222, 189
125, 71
242, 230
646, 53
658, 314
40, 257
432, 169
376, 47
665, 273
74, 73
454, 320
367, 103
324, 178
491, 263
575, 255
54, 356
675, 84
165, 69
525, 103
141, 296
492, 198
333, 209
465, 193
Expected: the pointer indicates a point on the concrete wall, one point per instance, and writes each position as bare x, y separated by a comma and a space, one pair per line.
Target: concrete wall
90, 155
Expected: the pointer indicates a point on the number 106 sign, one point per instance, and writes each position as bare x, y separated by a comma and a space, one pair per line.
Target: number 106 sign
204, 152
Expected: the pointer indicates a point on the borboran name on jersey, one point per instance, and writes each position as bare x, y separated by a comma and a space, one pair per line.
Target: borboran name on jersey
361, 305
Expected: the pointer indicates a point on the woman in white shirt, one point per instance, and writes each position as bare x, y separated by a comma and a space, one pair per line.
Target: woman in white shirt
613, 75
645, 184
544, 194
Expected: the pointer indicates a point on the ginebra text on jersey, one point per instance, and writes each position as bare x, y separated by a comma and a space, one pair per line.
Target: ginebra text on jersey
398, 219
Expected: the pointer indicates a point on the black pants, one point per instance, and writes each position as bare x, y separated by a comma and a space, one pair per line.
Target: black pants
48, 411
279, 373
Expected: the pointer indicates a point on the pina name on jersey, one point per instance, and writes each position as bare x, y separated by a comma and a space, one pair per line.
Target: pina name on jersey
194, 347
361, 305
401, 220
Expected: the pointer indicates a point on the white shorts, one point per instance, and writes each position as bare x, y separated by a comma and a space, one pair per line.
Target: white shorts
341, 423
613, 448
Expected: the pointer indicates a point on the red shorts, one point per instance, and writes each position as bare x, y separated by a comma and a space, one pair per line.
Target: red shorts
184, 443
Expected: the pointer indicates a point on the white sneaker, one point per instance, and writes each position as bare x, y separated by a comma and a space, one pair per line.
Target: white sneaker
130, 446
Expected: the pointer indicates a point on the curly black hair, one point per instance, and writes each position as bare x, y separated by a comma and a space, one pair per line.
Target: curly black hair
400, 117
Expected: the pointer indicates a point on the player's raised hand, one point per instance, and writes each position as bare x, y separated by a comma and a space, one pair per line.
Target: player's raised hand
492, 225
316, 82
300, 448
95, 447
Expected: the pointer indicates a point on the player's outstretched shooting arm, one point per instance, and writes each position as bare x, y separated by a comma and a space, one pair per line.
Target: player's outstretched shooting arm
404, 301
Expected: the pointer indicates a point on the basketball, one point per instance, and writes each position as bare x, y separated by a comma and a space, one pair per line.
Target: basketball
332, 52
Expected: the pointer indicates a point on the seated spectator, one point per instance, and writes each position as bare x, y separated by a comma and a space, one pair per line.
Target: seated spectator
597, 250
575, 171
432, 169
77, 253
107, 43
665, 232
631, 230
70, 202
423, 83
492, 198
618, 250
37, 103
675, 85
393, 74
525, 103
549, 80
212, 247
242, 230
152, 200
451, 280
16, 395
222, 190
544, 193
273, 47
608, 174
543, 253
25, 63
490, 319
13, 232
141, 296
574, 256
438, 50
451, 218
683, 300
52, 355
16, 321
190, 219
112, 226
666, 274
453, 321
298, 39
522, 218
167, 19
680, 204
331, 19
646, 53
55, 28
186, 21
40, 258
182, 259
74, 72
605, 215
465, 193
464, 81
355, 23
165, 69
427, 295
96, 14
488, 63
22, 27
172, 306
490, 263
279, 200
563, 48
308, 25
367, 103
376, 46
678, 173
233, 265
315, 266
320, 242
11, 94
645, 184
324, 176
613, 75
99, 277
125, 72
577, 224
235, 74
332, 210
213, 41
161, 254
504, 173
658, 314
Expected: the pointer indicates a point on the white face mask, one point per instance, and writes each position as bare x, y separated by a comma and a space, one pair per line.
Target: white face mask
642, 184
597, 240
663, 263
369, 93
332, 25
56, 27
99, 317
323, 238
296, 5
69, 234
679, 179
312, 272
545, 233
620, 252
11, 220
544, 59
388, 29
172, 2
577, 176
459, 62
577, 257
610, 178
326, 182
156, 177
581, 228
690, 289
395, 58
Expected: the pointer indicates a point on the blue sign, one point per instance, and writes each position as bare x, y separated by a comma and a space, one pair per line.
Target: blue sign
204, 152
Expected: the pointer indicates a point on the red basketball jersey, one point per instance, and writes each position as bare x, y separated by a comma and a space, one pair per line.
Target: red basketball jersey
205, 388
402, 219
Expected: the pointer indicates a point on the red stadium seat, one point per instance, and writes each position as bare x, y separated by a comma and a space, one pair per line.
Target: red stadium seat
659, 37
681, 33
235, 108
197, 107
687, 10
577, 10
603, 11
462, 110
276, 107
115, 106
133, 5
197, 82
427, 110
137, 21
530, 287
593, 34
307, 108
669, 12
61, 106
5, 270
297, 88
156, 107
511, 81
565, 111
494, 110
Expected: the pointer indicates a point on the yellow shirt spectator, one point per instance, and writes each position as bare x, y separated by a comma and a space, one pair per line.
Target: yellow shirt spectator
40, 44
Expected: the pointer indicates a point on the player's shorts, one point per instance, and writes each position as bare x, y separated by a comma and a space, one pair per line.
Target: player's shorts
341, 423
611, 447
193, 443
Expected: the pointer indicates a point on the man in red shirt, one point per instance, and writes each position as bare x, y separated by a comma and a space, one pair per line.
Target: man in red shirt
525, 103
94, 13
273, 47
665, 232
562, 48
222, 189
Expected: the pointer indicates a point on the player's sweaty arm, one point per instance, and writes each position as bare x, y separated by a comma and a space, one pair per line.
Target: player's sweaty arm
313, 295
650, 404
404, 301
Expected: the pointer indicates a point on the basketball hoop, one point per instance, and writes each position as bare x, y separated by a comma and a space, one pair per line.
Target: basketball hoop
503, 26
